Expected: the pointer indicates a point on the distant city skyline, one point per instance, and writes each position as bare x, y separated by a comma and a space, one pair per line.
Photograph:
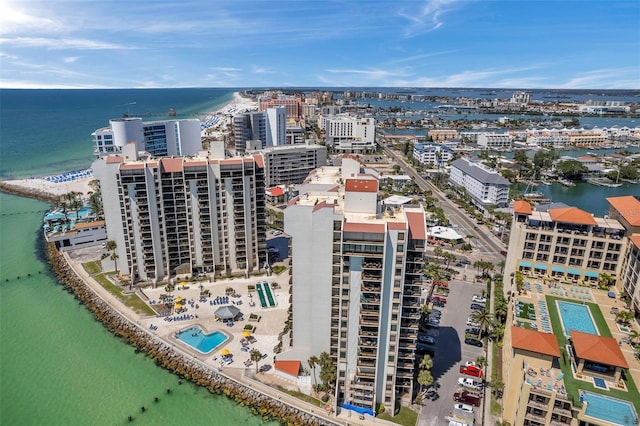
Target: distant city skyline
587, 44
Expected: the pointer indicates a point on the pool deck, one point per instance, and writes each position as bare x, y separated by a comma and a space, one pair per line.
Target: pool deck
538, 289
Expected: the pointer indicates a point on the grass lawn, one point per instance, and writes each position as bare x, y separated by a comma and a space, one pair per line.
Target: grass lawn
307, 398
571, 384
130, 300
93, 267
406, 416
527, 310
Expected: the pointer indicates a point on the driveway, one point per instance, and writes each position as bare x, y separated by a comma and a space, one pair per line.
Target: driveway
450, 352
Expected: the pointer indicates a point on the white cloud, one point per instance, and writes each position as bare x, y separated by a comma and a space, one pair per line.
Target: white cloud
428, 17
62, 43
70, 59
14, 21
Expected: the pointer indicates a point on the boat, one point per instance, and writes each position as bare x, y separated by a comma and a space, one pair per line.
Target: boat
544, 182
566, 182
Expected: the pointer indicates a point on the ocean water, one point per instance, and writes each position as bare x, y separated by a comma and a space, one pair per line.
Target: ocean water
58, 365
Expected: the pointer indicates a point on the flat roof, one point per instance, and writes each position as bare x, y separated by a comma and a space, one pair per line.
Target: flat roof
361, 185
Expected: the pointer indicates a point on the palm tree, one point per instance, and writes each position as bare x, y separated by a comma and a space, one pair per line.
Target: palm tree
484, 319
111, 247
425, 378
328, 372
256, 356
426, 363
633, 335
313, 361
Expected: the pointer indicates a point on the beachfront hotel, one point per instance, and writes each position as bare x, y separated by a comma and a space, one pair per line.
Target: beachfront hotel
356, 284
266, 128
184, 215
349, 134
158, 138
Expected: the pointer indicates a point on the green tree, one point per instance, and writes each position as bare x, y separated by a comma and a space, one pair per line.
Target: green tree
328, 372
520, 157
256, 356
111, 247
426, 363
313, 361
484, 319
425, 378
571, 169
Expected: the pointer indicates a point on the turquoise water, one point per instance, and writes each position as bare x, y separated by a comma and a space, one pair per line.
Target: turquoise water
612, 410
576, 317
204, 343
59, 366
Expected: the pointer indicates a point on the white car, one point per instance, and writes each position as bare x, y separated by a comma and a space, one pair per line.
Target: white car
479, 299
469, 383
471, 323
464, 407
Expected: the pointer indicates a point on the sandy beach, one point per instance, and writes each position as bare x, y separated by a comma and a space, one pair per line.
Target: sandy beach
54, 186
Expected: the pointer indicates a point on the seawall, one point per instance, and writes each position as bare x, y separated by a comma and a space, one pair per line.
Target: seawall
165, 357
6, 186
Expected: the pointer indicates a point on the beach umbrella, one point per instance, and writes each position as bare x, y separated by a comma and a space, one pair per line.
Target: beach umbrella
224, 352
178, 306
246, 333
178, 299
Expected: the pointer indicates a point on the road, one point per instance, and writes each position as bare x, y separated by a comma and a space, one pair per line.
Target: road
486, 246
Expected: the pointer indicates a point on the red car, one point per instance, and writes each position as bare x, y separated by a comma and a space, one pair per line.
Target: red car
467, 397
471, 370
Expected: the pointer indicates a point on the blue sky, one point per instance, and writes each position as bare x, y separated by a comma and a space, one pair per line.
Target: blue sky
583, 44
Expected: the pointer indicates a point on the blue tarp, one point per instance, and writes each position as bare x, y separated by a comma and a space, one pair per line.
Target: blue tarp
541, 267
525, 264
358, 409
591, 274
557, 269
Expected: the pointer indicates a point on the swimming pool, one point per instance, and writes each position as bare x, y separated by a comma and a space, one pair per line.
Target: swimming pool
576, 317
200, 341
615, 411
59, 215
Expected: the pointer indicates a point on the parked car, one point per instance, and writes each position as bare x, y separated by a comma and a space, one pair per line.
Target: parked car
426, 339
470, 383
471, 370
473, 342
467, 397
477, 307
434, 324
475, 331
464, 407
472, 323
479, 299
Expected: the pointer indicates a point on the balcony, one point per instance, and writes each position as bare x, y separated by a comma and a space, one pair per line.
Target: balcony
535, 418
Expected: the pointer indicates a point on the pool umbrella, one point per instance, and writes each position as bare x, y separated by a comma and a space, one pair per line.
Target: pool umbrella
178, 299
178, 306
246, 333
224, 352
227, 312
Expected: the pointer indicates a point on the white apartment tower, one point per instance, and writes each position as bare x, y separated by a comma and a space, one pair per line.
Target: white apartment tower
158, 138
269, 127
174, 216
356, 283
349, 134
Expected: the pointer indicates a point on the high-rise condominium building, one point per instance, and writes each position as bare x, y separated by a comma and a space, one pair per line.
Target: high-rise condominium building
158, 138
269, 127
356, 283
172, 216
291, 164
349, 134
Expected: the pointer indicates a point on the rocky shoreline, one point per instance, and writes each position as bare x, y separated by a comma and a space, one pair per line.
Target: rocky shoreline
165, 357
6, 186
161, 352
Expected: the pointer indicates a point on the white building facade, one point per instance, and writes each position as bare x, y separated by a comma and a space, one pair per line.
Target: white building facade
485, 186
158, 138
356, 280
175, 216
349, 134
432, 153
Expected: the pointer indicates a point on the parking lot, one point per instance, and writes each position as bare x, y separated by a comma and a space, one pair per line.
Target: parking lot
449, 352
